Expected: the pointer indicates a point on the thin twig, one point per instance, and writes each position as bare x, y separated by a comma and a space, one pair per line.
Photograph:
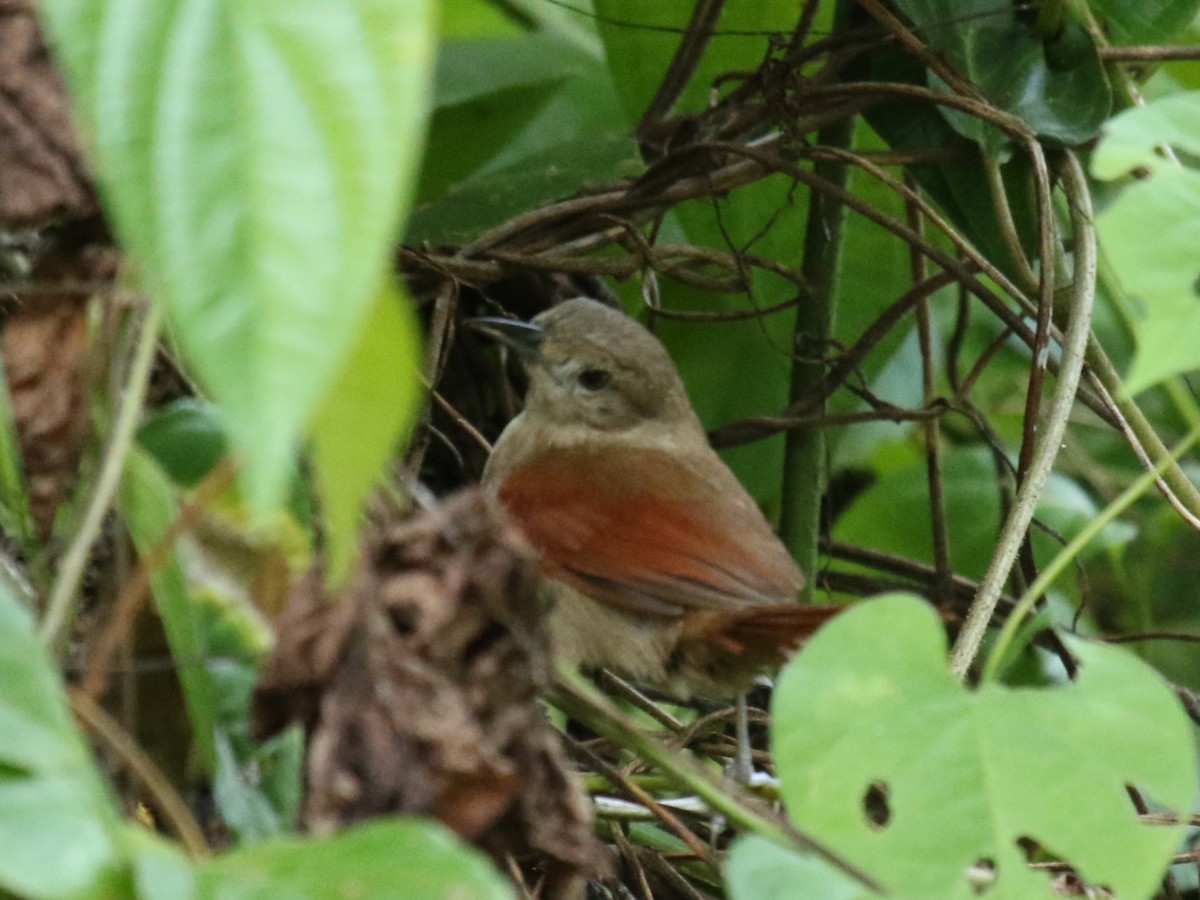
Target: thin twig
164, 797
1152, 53
636, 792
66, 586
1073, 548
135, 591
700, 29
931, 427
1074, 348
577, 699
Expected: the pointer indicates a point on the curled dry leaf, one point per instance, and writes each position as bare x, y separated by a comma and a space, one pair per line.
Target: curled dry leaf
43, 176
418, 691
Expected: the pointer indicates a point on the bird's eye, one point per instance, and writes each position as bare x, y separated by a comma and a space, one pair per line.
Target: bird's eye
594, 379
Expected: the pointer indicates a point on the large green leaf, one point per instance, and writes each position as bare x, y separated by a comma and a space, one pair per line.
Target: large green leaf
254, 156
1058, 86
892, 514
1162, 272
1132, 138
408, 858
490, 197
59, 833
487, 92
373, 402
868, 716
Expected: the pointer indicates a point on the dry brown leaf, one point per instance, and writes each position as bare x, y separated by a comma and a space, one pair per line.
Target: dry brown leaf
418, 691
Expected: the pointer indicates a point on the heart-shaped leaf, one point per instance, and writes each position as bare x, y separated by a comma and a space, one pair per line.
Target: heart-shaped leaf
254, 155
887, 758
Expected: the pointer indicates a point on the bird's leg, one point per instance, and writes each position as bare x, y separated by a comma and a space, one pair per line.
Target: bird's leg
742, 768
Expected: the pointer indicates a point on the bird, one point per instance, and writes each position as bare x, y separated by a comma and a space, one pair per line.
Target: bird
660, 565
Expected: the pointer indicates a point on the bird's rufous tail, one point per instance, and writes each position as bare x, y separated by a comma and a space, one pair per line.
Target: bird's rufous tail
778, 628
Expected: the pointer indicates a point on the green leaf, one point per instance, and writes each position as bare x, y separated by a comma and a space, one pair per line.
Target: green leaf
487, 199
965, 775
961, 189
218, 642
472, 69
185, 438
892, 514
148, 508
759, 869
574, 23
474, 18
160, 870
641, 38
488, 91
254, 158
14, 501
1057, 87
373, 403
1146, 21
1164, 271
384, 859
58, 829
1132, 137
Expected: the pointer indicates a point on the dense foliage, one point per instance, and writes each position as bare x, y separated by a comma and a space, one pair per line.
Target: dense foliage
929, 271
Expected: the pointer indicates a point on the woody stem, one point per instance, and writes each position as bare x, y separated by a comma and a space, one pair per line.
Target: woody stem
804, 450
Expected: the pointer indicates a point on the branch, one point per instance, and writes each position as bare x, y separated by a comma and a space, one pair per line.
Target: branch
1074, 349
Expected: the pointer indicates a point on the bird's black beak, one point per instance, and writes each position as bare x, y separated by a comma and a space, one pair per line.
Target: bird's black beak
523, 337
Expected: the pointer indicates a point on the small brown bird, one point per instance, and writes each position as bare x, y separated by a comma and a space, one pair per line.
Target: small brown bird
663, 568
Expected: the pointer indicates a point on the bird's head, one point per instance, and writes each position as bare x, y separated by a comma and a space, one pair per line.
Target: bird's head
590, 365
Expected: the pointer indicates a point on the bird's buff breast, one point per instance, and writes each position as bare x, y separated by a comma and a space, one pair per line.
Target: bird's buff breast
650, 651
592, 635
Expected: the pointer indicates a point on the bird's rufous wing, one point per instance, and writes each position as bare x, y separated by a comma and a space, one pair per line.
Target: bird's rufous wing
643, 531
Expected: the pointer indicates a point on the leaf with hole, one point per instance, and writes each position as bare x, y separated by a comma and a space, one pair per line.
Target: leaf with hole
1134, 137
946, 792
255, 159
